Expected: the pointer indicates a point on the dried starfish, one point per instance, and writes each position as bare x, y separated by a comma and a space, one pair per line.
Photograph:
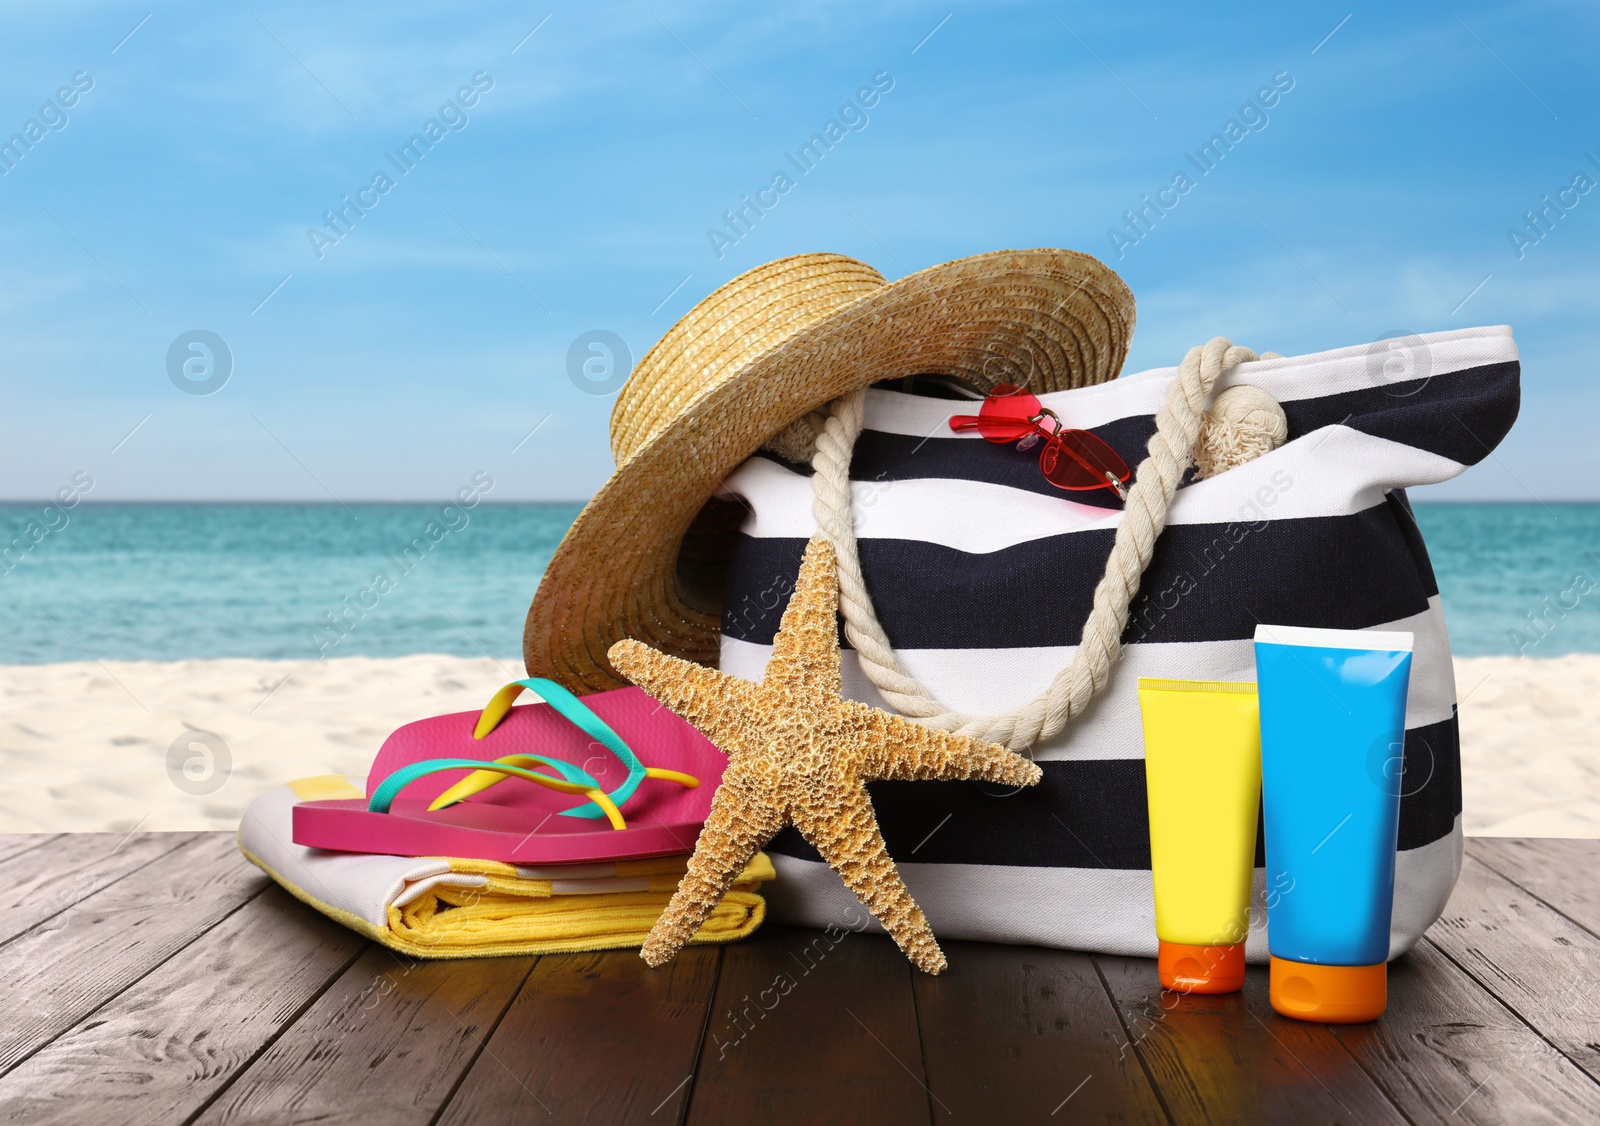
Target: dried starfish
801, 753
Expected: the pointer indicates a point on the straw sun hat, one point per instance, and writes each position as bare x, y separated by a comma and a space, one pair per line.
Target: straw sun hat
644, 558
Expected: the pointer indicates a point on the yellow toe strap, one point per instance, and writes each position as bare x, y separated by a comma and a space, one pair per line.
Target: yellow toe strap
520, 766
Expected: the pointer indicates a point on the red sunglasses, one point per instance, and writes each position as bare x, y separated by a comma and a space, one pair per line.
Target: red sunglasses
1069, 459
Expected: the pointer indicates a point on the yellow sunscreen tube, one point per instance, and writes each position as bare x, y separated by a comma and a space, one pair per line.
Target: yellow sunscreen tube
1202, 770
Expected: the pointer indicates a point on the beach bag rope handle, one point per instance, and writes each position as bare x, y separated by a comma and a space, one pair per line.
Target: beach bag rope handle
1170, 453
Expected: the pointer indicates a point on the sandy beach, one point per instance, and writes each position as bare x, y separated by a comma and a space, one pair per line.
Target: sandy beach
92, 746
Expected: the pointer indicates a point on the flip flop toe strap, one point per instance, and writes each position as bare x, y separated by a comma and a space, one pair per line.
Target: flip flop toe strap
577, 782
575, 712
572, 779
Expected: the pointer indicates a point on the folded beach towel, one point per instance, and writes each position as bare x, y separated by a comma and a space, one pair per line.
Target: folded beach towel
436, 907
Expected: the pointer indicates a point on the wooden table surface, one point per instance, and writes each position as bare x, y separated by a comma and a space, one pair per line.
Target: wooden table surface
160, 978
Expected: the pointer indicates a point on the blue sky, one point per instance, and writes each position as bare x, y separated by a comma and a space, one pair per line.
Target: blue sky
576, 193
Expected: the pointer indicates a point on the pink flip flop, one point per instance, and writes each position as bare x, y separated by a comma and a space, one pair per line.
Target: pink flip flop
449, 768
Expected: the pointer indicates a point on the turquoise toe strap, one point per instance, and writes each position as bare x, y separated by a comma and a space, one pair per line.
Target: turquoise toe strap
564, 704
383, 797
576, 712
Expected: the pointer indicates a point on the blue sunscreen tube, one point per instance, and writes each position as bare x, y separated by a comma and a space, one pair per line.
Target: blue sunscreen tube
1333, 714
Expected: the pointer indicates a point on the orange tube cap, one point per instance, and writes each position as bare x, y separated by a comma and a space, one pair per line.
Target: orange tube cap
1200, 969
1329, 994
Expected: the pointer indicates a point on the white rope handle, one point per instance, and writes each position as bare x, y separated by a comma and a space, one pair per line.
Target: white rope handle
1170, 453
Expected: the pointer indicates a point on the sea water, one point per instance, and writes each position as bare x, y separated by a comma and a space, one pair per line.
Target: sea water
1517, 579
174, 581
180, 581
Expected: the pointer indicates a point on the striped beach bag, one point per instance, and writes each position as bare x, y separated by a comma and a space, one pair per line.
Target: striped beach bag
982, 577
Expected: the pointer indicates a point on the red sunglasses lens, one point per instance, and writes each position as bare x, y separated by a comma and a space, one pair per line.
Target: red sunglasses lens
1076, 459
1007, 413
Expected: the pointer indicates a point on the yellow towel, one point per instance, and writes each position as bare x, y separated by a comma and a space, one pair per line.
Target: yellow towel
443, 907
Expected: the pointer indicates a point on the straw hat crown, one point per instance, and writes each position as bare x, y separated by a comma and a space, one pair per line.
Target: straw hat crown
736, 324
645, 556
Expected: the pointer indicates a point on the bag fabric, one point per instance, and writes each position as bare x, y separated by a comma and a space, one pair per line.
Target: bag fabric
982, 575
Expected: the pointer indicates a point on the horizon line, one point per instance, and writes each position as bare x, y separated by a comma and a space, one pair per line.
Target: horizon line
85, 502
485, 501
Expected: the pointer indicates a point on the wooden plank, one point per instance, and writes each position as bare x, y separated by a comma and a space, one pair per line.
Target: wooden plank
1448, 1052
1019, 1033
593, 1038
11, 844
54, 975
811, 1026
1564, 873
39, 883
387, 1043
161, 1050
1228, 1058
1536, 960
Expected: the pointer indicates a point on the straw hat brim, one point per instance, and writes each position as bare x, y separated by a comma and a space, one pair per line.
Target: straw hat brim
1046, 319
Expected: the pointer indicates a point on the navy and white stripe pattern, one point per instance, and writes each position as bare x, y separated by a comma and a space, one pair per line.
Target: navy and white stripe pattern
982, 575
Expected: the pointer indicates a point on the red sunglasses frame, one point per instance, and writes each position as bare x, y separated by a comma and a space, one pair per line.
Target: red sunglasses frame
1106, 466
